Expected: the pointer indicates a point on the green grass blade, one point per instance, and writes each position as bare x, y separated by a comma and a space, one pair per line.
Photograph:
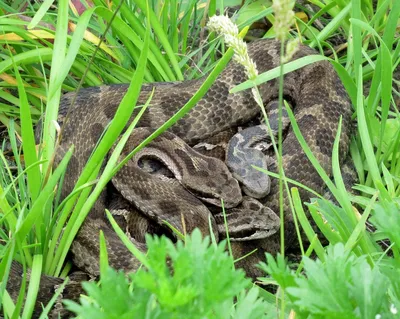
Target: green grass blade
40, 13
347, 81
72, 52
134, 22
33, 287
392, 24
59, 51
274, 73
5, 266
53, 300
37, 207
359, 230
6, 208
365, 137
156, 59
103, 254
337, 175
305, 224
162, 37
127, 242
356, 44
333, 25
33, 174
310, 155
28, 57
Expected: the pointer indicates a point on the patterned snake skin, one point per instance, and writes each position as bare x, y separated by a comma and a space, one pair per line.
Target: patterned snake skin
318, 98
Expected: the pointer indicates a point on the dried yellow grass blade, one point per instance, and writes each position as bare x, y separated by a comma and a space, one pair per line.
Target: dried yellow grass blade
89, 36
33, 34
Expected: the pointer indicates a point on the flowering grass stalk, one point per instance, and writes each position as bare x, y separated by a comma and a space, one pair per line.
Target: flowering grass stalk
284, 19
224, 26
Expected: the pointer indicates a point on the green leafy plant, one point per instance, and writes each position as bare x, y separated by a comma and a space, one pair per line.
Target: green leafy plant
343, 286
184, 280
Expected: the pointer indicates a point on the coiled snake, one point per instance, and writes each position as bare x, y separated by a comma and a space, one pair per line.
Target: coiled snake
318, 98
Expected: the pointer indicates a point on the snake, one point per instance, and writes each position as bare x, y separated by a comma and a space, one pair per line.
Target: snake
147, 198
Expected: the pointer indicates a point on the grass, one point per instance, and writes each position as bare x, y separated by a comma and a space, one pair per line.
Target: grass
46, 49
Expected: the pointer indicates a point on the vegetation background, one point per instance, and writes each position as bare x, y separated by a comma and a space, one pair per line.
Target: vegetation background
51, 47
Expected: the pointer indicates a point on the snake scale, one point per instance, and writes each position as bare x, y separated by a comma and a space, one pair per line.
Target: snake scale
318, 98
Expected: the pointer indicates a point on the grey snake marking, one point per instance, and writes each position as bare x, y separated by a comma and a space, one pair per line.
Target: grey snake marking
319, 100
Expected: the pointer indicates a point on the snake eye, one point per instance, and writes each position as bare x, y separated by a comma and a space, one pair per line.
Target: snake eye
153, 166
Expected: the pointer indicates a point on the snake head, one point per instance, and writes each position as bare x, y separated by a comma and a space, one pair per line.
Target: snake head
212, 182
219, 192
255, 183
241, 156
207, 178
251, 220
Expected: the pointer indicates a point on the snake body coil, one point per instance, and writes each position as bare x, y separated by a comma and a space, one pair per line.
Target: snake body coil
318, 98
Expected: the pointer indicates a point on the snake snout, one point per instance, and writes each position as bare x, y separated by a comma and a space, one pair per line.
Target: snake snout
228, 193
258, 186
